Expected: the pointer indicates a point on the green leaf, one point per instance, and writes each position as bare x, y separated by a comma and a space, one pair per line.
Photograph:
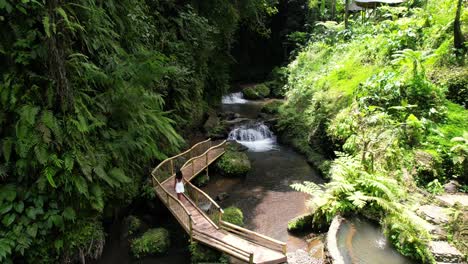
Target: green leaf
119, 175
8, 219
32, 230
5, 208
81, 185
46, 24
49, 173
97, 200
8, 192
7, 145
19, 207
69, 213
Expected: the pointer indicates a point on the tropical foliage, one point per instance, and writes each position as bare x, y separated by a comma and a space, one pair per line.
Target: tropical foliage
372, 97
91, 95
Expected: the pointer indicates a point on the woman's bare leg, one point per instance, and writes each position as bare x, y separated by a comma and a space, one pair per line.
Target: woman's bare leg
179, 196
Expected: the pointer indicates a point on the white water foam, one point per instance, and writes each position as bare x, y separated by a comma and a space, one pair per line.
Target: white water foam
256, 137
234, 98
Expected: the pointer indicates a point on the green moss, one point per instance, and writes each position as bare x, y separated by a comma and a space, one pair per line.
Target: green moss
300, 223
272, 107
233, 215
258, 91
234, 163
152, 242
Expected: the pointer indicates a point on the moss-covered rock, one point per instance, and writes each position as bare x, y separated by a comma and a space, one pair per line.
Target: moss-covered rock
272, 107
233, 215
300, 223
234, 163
258, 91
200, 253
152, 242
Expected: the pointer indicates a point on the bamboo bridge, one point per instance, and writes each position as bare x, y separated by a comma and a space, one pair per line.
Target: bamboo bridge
200, 215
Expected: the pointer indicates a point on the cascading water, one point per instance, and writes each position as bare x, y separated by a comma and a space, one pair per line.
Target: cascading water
234, 98
257, 137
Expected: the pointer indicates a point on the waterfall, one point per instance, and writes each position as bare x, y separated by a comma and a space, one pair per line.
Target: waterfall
234, 98
257, 137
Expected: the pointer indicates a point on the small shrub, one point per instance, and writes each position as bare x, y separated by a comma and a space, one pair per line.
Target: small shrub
300, 223
233, 215
234, 163
152, 242
258, 91
272, 107
133, 224
435, 187
200, 253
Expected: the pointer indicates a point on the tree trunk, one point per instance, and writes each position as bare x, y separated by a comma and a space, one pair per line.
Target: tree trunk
458, 40
346, 14
333, 9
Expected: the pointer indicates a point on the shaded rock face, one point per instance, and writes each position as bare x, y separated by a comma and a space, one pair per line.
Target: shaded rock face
451, 199
222, 196
451, 187
444, 252
211, 122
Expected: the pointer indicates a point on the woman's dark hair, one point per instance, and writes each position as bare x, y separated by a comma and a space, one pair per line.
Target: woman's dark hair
179, 175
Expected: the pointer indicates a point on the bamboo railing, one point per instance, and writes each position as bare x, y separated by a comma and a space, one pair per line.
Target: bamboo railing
254, 237
204, 202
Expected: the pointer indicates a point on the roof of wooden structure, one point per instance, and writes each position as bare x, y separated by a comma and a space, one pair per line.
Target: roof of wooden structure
375, 3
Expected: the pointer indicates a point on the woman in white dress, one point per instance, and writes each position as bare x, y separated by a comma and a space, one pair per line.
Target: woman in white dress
179, 184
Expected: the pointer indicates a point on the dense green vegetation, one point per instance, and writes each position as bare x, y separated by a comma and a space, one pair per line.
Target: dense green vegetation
377, 92
153, 241
92, 94
233, 215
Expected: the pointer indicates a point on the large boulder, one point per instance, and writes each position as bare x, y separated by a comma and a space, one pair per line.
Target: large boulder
152, 242
256, 92
234, 163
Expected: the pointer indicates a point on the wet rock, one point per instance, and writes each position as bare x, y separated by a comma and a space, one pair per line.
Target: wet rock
451, 199
237, 121
222, 196
302, 257
316, 247
434, 214
437, 232
228, 115
444, 252
211, 123
236, 146
451, 187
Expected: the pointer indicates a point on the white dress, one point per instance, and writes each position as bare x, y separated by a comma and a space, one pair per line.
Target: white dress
179, 187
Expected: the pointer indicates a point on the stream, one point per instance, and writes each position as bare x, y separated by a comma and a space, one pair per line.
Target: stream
264, 195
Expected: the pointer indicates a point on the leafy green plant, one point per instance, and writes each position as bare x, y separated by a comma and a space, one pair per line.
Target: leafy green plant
233, 215
152, 242
258, 91
201, 253
435, 187
300, 223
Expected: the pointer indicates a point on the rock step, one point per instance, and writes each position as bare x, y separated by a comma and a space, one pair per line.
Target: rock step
445, 253
451, 199
434, 214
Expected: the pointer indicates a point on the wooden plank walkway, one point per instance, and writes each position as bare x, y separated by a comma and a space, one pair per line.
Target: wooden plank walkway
201, 216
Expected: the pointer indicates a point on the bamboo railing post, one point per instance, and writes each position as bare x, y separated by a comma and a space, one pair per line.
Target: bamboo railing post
193, 170
285, 249
167, 198
251, 258
172, 167
190, 228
